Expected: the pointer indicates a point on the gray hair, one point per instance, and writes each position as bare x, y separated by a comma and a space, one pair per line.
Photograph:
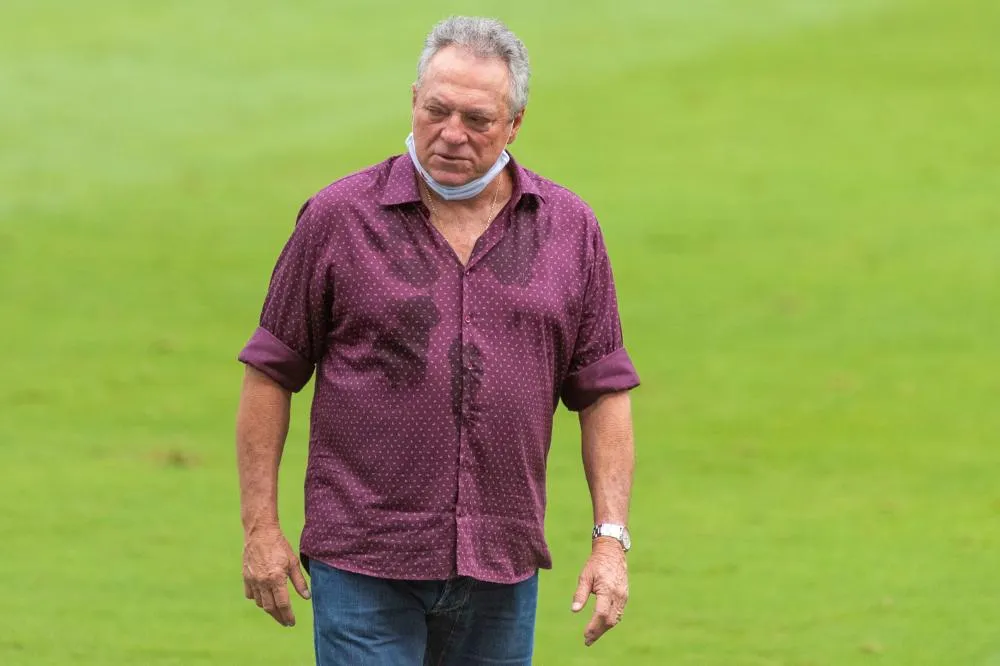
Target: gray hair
485, 38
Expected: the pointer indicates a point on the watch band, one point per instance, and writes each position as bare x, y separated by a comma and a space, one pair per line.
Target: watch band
615, 531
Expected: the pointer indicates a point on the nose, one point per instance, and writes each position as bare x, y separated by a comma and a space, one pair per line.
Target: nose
453, 131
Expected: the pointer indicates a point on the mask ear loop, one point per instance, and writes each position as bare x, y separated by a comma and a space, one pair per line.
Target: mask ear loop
510, 133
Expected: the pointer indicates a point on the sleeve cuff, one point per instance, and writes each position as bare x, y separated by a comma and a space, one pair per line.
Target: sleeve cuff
277, 360
610, 374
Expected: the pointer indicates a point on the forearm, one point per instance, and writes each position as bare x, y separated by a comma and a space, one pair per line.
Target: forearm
609, 456
261, 428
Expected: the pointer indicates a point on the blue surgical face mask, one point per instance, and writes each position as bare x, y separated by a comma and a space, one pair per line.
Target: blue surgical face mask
467, 191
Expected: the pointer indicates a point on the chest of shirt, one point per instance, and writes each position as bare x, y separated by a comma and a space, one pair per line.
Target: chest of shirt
395, 275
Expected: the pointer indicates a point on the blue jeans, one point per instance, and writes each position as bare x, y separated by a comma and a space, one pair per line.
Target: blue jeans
461, 621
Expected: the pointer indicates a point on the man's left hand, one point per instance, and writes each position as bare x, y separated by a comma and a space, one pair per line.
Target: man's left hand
605, 576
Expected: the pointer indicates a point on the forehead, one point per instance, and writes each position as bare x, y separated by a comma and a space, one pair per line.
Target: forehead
457, 77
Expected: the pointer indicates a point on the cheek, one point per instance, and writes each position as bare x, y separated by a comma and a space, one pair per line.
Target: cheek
489, 143
497, 144
425, 134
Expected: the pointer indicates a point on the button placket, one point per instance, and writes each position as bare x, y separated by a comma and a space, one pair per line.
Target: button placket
463, 424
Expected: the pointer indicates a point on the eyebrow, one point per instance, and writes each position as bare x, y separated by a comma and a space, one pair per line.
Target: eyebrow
476, 110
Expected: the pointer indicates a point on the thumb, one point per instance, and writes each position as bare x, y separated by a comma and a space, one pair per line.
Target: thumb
582, 593
299, 580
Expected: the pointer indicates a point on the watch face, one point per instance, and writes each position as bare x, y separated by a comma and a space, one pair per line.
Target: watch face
626, 540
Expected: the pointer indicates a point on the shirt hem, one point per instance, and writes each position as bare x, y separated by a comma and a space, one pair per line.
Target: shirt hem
352, 567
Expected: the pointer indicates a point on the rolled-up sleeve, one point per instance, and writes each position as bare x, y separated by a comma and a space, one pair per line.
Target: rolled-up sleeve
277, 360
290, 339
600, 364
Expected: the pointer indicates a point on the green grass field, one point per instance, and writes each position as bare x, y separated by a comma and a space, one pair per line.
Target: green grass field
802, 201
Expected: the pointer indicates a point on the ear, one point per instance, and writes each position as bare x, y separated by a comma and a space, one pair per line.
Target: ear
516, 127
413, 102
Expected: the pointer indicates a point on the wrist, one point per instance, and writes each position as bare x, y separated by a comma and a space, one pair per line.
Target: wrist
612, 532
260, 524
607, 544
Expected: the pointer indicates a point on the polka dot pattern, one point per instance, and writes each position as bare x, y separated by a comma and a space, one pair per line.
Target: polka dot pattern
436, 383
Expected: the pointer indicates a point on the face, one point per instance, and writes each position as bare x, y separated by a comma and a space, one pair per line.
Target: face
461, 122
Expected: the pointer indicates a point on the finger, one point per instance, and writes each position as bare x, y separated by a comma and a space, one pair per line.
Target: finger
268, 604
604, 618
247, 581
621, 600
582, 593
282, 605
256, 597
299, 580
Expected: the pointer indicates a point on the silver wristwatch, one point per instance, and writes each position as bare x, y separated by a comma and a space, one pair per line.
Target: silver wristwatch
617, 532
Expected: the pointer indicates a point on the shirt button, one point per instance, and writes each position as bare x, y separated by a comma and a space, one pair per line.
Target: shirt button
468, 319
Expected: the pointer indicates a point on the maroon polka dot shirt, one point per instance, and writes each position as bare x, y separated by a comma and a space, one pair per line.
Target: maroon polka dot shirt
436, 383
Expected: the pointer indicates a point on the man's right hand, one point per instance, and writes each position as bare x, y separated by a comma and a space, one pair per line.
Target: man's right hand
268, 563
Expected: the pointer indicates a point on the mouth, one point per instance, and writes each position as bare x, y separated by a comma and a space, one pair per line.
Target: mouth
450, 158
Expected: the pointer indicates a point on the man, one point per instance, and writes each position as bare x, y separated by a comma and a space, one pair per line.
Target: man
447, 300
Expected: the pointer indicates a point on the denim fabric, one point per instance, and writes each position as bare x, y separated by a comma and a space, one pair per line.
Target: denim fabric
381, 622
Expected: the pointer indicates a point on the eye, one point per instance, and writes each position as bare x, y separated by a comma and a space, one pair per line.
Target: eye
436, 112
477, 122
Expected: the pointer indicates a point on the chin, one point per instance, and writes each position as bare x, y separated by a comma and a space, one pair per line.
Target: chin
450, 178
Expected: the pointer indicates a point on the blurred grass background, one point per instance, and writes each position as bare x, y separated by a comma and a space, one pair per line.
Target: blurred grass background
802, 202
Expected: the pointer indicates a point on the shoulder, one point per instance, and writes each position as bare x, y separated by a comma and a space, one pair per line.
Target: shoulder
335, 212
355, 192
566, 208
566, 218
565, 214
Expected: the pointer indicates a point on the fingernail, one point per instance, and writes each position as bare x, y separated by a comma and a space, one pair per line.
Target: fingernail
307, 595
577, 606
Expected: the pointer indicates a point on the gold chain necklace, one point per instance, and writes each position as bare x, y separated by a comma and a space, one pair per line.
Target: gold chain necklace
434, 212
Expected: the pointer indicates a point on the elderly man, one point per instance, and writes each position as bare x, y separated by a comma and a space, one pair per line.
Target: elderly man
447, 300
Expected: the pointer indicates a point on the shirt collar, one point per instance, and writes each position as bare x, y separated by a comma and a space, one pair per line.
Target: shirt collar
401, 185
